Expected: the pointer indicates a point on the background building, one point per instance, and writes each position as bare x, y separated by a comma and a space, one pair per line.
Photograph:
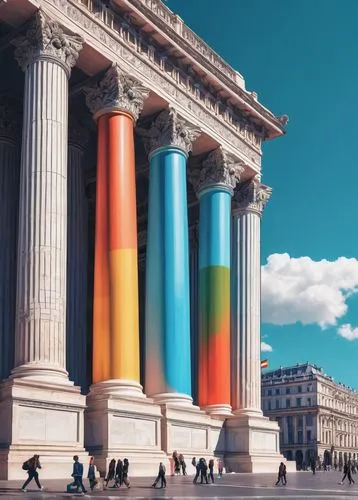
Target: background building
318, 417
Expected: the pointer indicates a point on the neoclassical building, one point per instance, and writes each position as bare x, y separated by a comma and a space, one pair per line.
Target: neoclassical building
318, 417
130, 209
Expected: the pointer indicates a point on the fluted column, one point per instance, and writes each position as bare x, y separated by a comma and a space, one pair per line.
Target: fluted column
10, 134
116, 102
167, 312
194, 304
248, 203
77, 229
214, 184
46, 55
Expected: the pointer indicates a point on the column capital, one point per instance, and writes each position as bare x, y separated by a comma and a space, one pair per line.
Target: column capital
116, 91
251, 196
78, 133
169, 129
219, 169
10, 119
45, 39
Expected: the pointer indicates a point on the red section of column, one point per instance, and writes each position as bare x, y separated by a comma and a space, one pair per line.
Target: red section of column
122, 187
101, 322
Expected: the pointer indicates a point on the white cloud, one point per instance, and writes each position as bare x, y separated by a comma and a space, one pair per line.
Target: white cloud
307, 291
265, 347
348, 332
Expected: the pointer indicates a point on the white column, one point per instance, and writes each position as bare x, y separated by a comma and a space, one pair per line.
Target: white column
248, 203
46, 55
10, 134
77, 229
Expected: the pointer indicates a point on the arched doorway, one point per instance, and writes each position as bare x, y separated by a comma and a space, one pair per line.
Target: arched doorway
299, 459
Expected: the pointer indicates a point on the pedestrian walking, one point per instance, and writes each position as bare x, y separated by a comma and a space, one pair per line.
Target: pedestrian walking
220, 468
176, 463
111, 471
161, 477
77, 475
203, 471
313, 466
347, 472
211, 470
182, 464
197, 470
281, 475
119, 474
31, 466
91, 475
126, 473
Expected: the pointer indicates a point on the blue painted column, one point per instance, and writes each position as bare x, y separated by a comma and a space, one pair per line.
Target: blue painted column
214, 188
167, 305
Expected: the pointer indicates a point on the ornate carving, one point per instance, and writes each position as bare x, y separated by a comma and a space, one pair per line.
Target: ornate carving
107, 34
251, 196
116, 91
45, 39
169, 129
218, 169
10, 119
78, 132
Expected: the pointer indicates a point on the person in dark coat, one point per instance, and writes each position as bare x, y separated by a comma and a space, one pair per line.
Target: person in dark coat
347, 472
197, 471
203, 471
91, 475
77, 475
119, 474
176, 463
182, 464
161, 477
211, 470
126, 473
31, 467
281, 474
111, 471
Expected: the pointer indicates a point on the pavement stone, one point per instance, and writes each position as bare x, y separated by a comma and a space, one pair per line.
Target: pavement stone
300, 485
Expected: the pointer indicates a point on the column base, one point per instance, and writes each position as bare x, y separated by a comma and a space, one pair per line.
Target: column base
44, 419
221, 410
252, 444
42, 373
121, 422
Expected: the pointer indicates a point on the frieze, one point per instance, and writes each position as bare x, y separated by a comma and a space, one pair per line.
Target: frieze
220, 126
218, 169
251, 196
45, 39
168, 129
116, 91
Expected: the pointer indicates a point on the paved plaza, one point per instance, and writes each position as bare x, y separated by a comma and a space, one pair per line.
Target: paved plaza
300, 485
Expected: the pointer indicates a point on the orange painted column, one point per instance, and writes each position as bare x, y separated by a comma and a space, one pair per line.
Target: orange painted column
123, 262
101, 307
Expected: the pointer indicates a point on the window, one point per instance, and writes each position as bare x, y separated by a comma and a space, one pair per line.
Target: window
309, 401
309, 388
277, 391
299, 389
300, 437
288, 403
298, 401
290, 431
309, 436
288, 390
277, 404
300, 421
269, 405
269, 392
309, 419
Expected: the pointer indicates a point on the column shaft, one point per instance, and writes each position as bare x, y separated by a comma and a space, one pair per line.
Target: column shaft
9, 198
123, 255
167, 281
77, 228
101, 307
41, 271
214, 297
194, 304
246, 300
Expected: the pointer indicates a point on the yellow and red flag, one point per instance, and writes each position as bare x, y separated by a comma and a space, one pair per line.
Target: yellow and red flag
264, 363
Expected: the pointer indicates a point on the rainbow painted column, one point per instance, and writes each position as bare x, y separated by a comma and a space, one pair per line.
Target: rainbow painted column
167, 316
214, 185
116, 102
248, 203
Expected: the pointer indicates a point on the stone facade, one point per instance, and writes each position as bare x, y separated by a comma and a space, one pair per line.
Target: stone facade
318, 417
134, 183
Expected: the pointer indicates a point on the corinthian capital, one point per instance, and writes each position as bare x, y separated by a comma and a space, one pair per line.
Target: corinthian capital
169, 129
251, 196
218, 169
117, 91
46, 40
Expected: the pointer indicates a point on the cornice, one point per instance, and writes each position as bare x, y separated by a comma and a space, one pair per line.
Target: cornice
108, 33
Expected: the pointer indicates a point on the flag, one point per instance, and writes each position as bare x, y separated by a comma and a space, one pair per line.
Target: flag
264, 363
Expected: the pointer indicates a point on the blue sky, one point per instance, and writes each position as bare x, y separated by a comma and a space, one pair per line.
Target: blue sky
302, 60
